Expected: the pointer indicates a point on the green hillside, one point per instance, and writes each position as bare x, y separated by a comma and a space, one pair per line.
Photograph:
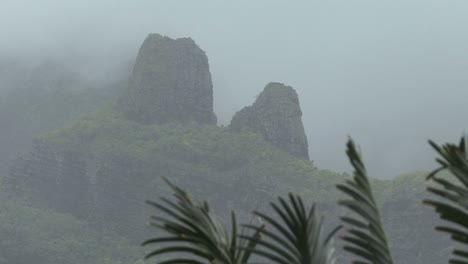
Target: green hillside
90, 179
46, 237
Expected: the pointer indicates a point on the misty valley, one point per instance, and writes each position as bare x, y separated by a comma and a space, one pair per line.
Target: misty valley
198, 132
78, 160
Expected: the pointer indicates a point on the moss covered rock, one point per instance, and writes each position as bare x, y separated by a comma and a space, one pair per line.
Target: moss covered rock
171, 81
276, 115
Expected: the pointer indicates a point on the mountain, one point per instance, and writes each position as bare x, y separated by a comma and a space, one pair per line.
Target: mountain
171, 81
276, 115
102, 167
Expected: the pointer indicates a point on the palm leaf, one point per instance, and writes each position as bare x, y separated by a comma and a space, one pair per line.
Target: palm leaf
453, 205
365, 236
297, 237
192, 231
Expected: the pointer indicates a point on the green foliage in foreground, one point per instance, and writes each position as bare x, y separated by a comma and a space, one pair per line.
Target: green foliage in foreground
365, 238
296, 238
454, 205
195, 232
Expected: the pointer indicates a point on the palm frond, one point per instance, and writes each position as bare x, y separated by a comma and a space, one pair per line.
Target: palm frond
454, 205
365, 236
192, 231
297, 238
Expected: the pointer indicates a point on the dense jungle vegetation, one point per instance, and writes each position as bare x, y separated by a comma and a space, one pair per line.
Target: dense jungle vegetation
78, 161
295, 234
124, 143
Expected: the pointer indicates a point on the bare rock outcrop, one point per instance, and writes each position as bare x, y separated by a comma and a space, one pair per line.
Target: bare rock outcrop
171, 81
276, 114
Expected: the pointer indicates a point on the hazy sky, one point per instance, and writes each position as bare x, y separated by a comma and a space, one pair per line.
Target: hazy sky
389, 73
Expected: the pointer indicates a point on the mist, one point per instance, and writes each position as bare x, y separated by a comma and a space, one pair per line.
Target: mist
107, 104
391, 74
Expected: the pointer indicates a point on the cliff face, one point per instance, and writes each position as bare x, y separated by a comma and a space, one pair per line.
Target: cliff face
170, 81
103, 166
276, 114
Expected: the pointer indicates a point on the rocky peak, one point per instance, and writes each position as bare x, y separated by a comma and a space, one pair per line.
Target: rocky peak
171, 81
276, 114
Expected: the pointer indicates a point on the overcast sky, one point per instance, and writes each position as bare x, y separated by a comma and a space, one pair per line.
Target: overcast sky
389, 73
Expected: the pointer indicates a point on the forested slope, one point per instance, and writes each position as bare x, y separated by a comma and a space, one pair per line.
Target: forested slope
89, 179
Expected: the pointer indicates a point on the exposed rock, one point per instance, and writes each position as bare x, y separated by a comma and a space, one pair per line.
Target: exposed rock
171, 81
276, 114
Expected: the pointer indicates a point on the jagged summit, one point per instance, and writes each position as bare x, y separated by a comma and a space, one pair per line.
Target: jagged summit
171, 81
276, 114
